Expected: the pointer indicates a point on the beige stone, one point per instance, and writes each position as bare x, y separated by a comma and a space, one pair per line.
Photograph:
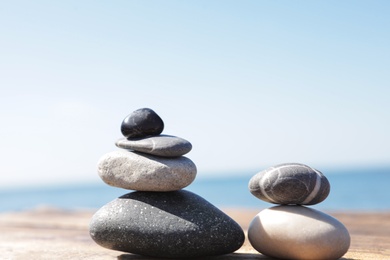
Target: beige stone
142, 172
297, 232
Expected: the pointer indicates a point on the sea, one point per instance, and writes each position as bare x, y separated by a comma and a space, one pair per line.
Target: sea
361, 189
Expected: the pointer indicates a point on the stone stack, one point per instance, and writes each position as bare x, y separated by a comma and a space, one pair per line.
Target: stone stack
159, 219
291, 230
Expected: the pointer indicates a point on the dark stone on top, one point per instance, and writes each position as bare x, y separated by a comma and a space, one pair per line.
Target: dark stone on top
177, 224
160, 145
142, 122
290, 183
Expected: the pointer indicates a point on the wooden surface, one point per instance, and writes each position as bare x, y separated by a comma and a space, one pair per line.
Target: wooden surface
56, 234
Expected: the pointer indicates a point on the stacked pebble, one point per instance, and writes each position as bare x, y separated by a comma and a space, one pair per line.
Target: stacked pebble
159, 219
290, 230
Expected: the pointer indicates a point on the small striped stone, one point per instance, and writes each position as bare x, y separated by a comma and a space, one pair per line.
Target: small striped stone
160, 145
290, 183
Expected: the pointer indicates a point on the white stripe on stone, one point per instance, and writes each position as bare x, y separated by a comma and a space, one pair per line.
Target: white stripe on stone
265, 176
314, 192
153, 145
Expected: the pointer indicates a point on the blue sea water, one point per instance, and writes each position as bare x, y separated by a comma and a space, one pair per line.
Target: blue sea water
354, 189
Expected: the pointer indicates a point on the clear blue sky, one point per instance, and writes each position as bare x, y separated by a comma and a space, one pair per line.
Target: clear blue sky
249, 83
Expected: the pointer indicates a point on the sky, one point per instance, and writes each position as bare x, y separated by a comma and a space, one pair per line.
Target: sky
250, 84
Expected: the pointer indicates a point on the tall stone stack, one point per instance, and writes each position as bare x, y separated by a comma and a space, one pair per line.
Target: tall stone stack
291, 230
159, 218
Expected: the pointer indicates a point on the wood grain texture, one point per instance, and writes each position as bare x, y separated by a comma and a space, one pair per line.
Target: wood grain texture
55, 234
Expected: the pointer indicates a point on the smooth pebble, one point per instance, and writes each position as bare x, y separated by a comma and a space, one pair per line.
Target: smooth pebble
141, 123
143, 172
290, 183
161, 145
298, 232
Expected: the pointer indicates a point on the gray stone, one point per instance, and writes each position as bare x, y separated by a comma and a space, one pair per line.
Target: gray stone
177, 224
143, 172
160, 145
297, 232
290, 183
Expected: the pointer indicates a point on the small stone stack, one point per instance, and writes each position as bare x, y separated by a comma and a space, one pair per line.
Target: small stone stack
159, 219
290, 230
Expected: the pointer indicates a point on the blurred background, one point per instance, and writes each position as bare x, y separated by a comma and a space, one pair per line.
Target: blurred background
250, 84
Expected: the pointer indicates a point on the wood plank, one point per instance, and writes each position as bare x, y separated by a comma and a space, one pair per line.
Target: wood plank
57, 234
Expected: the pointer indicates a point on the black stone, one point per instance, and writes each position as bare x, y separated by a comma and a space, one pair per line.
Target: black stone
177, 224
141, 123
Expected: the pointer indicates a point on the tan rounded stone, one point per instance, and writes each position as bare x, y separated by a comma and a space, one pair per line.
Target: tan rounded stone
143, 172
298, 232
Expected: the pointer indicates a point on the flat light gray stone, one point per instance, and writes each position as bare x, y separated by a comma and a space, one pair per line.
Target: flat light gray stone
290, 183
143, 172
297, 232
177, 224
160, 145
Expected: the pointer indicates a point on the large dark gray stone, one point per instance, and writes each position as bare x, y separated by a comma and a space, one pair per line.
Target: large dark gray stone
142, 122
160, 145
177, 224
290, 183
